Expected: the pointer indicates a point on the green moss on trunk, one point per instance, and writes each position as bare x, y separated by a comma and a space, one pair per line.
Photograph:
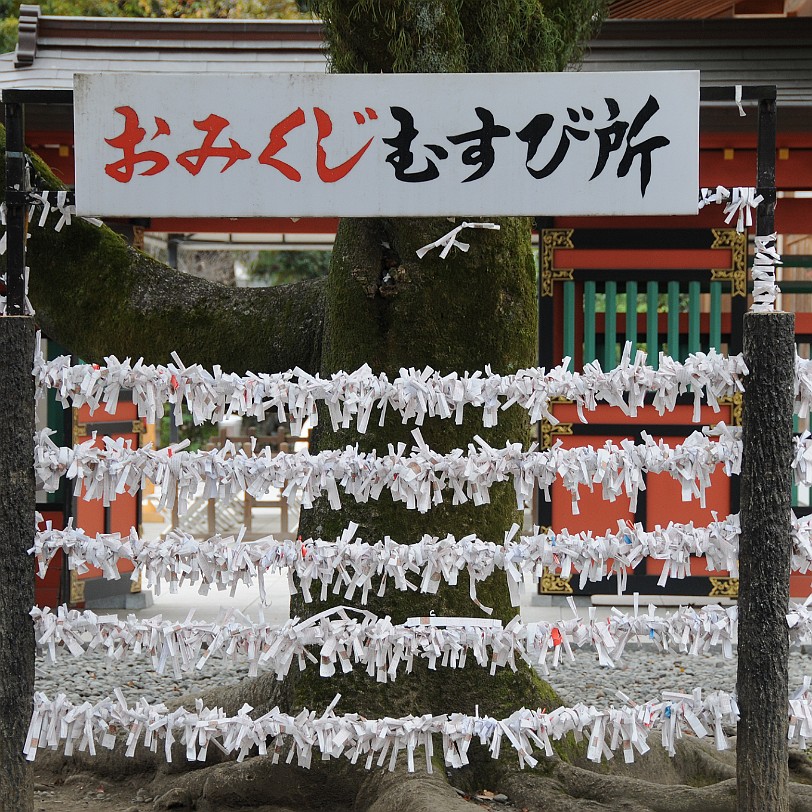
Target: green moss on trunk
387, 308
98, 296
463, 313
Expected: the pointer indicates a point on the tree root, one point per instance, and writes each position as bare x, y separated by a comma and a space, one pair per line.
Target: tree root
698, 779
575, 788
400, 791
339, 787
251, 784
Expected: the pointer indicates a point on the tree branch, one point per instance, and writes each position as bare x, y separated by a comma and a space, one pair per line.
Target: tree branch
98, 296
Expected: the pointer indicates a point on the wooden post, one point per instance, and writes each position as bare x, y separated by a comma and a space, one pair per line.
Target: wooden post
17, 488
211, 517
766, 546
247, 512
17, 505
764, 562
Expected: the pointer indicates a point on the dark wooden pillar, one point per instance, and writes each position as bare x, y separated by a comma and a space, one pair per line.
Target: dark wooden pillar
764, 562
17, 505
766, 546
17, 488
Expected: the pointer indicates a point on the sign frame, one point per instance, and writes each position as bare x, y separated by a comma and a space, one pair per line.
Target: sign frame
395, 145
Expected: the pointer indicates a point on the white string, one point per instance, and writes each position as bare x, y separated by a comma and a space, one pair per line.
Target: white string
414, 394
380, 741
417, 479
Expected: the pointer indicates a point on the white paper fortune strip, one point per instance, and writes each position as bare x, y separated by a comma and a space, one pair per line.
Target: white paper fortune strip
46, 202
379, 741
351, 565
416, 479
803, 386
765, 291
348, 637
345, 636
739, 202
800, 714
449, 241
355, 566
414, 394
802, 459
28, 308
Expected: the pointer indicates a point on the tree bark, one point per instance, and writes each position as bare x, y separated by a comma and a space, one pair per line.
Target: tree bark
98, 296
463, 313
17, 501
387, 308
764, 562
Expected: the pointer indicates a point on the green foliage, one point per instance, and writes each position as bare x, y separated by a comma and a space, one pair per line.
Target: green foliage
8, 34
214, 9
621, 305
198, 436
280, 9
285, 267
453, 36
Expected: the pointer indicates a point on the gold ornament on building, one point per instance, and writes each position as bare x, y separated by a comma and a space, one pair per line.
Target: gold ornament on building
552, 584
736, 273
724, 588
552, 238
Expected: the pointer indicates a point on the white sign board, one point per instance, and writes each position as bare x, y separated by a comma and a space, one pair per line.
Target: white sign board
201, 145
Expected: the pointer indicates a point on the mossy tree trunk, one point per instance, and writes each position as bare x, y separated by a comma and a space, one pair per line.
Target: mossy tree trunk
460, 314
387, 308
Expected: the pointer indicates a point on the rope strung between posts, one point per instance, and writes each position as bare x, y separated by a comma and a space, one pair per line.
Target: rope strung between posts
347, 636
372, 741
417, 479
356, 568
353, 397
415, 395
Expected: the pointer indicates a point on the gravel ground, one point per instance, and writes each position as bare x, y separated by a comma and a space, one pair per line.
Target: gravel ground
642, 674
94, 676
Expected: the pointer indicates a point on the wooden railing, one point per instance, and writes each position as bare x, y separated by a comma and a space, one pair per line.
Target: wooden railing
221, 518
